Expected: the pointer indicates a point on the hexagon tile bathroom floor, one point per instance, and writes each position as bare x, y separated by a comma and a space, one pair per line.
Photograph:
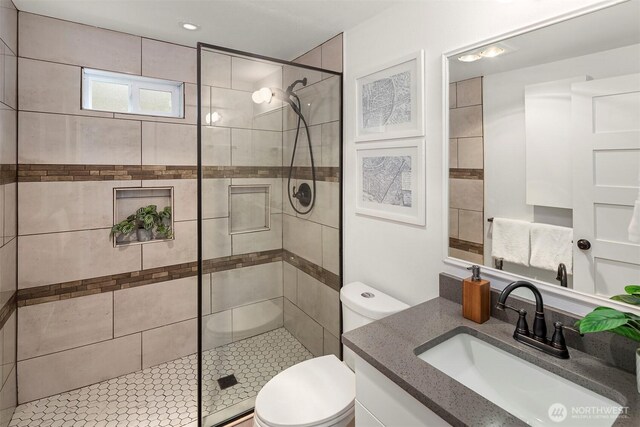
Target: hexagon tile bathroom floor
165, 395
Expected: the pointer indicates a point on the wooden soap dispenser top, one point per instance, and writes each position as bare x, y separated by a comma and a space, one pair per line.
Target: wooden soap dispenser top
476, 297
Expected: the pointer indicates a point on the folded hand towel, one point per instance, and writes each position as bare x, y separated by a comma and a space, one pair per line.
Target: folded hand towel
511, 240
634, 226
550, 246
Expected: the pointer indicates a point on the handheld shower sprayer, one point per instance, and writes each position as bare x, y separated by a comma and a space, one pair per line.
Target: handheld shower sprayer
304, 194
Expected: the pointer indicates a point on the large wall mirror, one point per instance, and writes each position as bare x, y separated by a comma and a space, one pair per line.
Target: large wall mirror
544, 153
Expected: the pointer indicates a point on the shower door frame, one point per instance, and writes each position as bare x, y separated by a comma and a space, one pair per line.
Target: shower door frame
235, 52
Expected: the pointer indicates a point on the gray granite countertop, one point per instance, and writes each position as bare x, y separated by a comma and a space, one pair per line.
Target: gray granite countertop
391, 344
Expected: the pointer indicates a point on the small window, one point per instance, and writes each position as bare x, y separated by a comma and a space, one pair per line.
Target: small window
124, 93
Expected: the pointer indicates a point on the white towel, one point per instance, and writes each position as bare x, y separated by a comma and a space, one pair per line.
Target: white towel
550, 246
510, 240
634, 226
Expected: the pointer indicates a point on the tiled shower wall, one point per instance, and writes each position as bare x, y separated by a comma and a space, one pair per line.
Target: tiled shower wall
8, 208
466, 171
312, 242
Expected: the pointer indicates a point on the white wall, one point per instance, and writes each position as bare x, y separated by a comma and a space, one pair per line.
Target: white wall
402, 260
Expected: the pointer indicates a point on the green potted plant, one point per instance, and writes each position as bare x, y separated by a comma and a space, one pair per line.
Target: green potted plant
148, 224
621, 323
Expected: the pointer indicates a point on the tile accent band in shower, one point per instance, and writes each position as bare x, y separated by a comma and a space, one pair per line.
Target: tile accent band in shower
72, 172
466, 173
114, 282
8, 307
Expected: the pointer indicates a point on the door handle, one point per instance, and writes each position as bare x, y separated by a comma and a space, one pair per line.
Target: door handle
584, 244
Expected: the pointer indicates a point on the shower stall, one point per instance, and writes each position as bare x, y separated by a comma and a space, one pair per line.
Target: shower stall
269, 223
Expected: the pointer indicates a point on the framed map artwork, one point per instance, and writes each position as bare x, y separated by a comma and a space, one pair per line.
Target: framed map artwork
390, 180
390, 101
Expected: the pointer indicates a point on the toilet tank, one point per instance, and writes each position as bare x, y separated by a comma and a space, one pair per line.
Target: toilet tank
362, 304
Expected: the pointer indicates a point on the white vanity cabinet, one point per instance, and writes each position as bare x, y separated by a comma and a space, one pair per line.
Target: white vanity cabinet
380, 402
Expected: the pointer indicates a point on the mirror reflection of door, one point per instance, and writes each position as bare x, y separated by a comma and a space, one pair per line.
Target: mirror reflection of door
544, 134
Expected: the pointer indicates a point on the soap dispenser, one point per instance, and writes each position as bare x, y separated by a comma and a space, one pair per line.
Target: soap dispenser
476, 297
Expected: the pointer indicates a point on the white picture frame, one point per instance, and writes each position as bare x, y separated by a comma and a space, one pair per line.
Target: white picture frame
390, 180
390, 100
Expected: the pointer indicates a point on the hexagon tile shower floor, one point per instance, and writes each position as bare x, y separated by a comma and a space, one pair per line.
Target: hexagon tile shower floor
165, 395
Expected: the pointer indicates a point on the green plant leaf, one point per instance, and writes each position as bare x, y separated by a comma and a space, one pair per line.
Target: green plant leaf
632, 289
628, 332
629, 299
602, 319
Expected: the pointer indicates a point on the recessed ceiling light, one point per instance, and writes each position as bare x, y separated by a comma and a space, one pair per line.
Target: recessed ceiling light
492, 52
189, 26
469, 58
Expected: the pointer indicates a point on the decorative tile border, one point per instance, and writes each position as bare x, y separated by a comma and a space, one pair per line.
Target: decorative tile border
114, 282
463, 245
7, 309
325, 276
466, 173
64, 172
8, 173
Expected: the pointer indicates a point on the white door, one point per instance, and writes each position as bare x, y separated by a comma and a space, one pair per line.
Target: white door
606, 183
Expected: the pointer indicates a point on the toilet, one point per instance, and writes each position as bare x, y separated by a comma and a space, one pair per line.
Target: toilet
321, 392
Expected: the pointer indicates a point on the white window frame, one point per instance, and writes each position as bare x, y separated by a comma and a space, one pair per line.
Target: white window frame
135, 84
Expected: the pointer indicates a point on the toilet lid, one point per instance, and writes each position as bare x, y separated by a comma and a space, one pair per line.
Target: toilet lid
307, 394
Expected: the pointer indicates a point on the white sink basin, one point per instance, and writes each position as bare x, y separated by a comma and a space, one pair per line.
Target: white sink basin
526, 391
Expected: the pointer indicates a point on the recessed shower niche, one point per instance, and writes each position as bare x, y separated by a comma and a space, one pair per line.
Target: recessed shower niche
142, 215
249, 208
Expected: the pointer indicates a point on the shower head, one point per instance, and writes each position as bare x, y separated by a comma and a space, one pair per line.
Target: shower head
266, 94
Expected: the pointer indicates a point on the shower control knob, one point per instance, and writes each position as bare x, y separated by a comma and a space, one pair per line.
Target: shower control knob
584, 244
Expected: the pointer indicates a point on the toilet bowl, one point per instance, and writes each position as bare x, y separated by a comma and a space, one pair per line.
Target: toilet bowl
320, 392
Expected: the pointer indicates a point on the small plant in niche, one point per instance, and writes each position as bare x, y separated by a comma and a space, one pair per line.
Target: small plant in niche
147, 222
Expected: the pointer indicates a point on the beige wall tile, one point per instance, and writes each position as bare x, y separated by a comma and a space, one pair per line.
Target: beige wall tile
47, 207
471, 226
185, 196
9, 77
326, 209
169, 343
57, 138
292, 73
49, 87
216, 330
331, 144
3, 212
255, 319
452, 95
61, 325
234, 106
469, 92
75, 255
247, 285
250, 75
259, 240
332, 54
216, 146
331, 344
470, 153
256, 148
183, 64
302, 238
331, 249
319, 301
169, 144
453, 153
216, 69
9, 25
182, 249
206, 293
8, 266
453, 223
215, 197
302, 150
320, 103
465, 122
8, 398
290, 282
312, 58
66, 42
271, 120
67, 370
9, 344
10, 216
9, 135
304, 328
466, 194
151, 306
217, 241
466, 256
275, 189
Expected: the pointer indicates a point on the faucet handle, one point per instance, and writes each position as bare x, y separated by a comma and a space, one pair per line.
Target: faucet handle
522, 327
557, 340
